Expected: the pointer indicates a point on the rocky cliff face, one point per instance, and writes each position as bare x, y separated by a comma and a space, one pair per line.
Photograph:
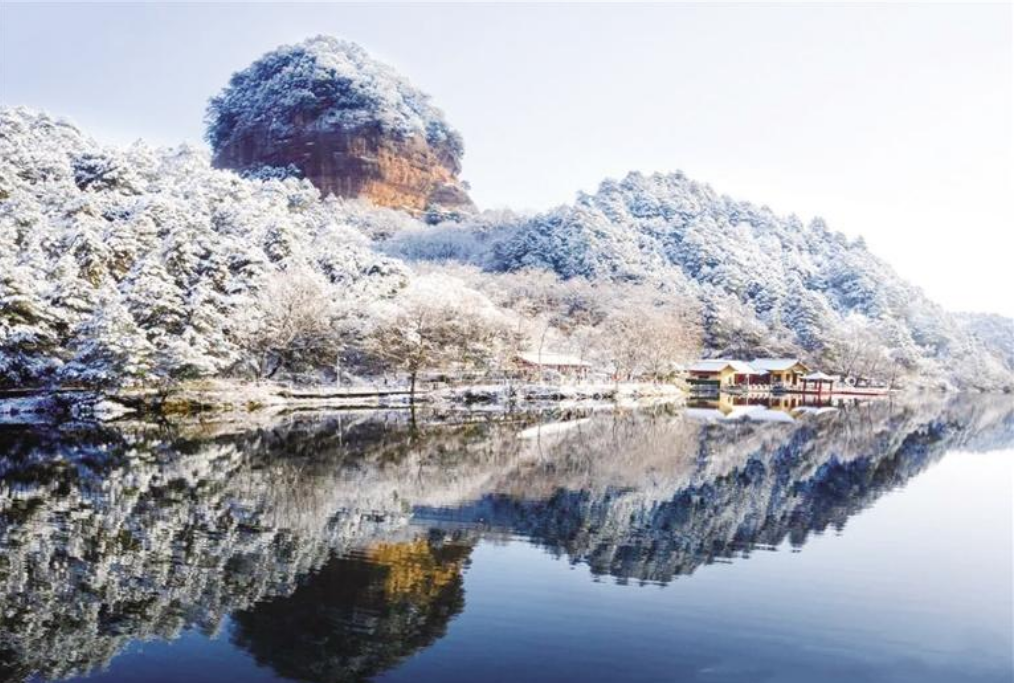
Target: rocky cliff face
407, 174
348, 123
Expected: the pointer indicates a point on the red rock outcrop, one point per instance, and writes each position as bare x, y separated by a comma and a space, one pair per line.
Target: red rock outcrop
406, 174
350, 124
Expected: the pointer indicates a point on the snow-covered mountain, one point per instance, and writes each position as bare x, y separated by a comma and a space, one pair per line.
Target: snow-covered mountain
764, 281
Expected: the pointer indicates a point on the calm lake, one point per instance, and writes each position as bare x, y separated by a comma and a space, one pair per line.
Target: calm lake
868, 542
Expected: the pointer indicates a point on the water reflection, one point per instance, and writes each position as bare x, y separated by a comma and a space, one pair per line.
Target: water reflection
787, 408
361, 614
338, 544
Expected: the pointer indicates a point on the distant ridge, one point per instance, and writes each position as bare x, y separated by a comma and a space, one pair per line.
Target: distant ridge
766, 283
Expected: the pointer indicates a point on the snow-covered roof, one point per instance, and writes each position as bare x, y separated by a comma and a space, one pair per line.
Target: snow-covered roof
820, 376
719, 364
547, 359
776, 364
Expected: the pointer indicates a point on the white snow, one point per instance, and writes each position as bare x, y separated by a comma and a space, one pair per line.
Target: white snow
719, 364
330, 84
775, 364
552, 360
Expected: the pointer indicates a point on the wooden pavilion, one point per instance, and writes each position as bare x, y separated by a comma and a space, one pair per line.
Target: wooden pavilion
818, 379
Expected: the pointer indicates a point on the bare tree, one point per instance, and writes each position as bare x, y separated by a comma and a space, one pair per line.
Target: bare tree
669, 337
650, 336
859, 352
297, 326
435, 324
618, 343
416, 338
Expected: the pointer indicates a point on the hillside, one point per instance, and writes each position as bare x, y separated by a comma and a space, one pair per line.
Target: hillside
144, 263
766, 283
140, 265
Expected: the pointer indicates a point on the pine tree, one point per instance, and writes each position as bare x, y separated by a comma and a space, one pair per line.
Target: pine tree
109, 348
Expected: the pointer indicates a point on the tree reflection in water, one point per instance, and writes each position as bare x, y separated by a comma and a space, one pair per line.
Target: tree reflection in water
338, 543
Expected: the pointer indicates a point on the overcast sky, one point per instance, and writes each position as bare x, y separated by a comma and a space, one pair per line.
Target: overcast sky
891, 122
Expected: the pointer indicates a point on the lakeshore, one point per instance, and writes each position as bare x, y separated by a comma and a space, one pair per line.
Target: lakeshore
231, 398
220, 397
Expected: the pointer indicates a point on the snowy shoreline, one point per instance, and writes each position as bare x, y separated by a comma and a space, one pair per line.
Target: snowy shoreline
219, 398
228, 400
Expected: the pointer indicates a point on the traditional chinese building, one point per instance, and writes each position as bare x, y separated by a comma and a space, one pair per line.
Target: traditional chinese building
784, 372
720, 373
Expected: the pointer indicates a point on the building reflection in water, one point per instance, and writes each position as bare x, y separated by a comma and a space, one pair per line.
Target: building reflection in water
338, 544
788, 408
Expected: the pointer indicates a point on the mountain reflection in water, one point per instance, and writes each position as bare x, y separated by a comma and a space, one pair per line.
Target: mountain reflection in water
336, 545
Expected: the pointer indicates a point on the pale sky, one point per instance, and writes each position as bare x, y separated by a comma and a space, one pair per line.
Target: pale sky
892, 122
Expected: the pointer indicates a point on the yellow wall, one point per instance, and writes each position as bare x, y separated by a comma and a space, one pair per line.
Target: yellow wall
785, 376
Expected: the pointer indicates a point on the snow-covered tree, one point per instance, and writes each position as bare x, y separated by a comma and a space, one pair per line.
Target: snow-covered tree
296, 326
109, 348
437, 323
87, 233
333, 83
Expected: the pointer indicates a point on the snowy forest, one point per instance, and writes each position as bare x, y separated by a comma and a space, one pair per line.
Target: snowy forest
147, 266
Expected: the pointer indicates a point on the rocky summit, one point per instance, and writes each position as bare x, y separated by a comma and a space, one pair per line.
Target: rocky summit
326, 111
